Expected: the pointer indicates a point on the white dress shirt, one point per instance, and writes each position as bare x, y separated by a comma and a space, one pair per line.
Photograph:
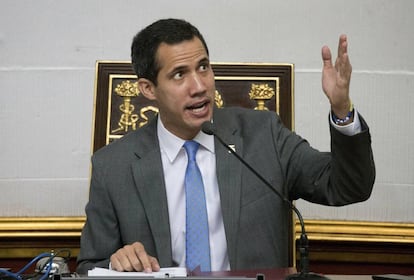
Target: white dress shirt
174, 161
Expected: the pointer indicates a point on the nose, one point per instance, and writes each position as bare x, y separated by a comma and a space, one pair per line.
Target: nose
197, 84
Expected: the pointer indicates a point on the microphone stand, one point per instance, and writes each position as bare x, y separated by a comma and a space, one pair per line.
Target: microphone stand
304, 273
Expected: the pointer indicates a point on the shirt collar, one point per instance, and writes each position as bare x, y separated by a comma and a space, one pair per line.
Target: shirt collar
171, 144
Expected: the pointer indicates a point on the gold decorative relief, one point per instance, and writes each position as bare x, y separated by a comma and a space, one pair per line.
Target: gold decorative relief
143, 113
127, 90
129, 120
261, 93
218, 99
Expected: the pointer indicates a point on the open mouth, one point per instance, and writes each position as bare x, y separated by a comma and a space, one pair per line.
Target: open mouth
199, 107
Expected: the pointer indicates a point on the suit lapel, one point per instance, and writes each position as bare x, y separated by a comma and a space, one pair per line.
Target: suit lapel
229, 181
149, 180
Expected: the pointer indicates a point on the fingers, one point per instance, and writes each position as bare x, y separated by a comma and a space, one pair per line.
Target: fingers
155, 266
133, 258
342, 59
148, 263
342, 45
336, 77
326, 57
342, 63
344, 67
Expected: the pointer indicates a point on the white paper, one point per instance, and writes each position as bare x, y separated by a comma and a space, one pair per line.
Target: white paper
163, 273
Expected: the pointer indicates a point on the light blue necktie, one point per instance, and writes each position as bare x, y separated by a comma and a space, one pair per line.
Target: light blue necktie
196, 239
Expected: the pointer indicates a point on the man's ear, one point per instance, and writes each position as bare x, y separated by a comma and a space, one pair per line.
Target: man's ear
146, 87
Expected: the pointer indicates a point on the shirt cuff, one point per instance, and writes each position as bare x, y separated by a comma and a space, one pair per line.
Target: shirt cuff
349, 129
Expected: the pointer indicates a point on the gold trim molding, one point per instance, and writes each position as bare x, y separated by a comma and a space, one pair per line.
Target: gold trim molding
356, 231
14, 227
27, 237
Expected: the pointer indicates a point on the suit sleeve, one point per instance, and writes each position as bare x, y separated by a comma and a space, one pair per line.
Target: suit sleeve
343, 176
100, 235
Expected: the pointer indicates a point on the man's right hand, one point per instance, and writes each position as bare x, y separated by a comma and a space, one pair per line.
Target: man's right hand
133, 257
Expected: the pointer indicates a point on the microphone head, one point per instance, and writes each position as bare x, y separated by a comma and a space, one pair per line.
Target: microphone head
208, 128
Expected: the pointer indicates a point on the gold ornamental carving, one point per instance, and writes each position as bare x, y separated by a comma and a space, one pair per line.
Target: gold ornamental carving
128, 119
261, 93
127, 90
218, 100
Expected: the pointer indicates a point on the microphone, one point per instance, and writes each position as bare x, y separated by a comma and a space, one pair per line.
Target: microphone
209, 128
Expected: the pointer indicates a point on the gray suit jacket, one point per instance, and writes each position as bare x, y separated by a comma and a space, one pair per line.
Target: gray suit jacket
128, 200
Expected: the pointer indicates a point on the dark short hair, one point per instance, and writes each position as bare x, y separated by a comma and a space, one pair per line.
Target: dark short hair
145, 44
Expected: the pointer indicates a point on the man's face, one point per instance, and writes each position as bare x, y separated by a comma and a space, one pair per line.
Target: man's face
185, 87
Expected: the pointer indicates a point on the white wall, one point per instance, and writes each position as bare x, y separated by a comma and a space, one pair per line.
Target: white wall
48, 51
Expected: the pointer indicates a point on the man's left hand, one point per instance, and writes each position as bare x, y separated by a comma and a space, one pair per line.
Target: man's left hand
336, 78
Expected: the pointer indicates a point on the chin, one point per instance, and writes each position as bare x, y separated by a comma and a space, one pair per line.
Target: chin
200, 123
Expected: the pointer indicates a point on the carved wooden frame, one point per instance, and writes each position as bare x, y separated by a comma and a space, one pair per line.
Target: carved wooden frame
119, 107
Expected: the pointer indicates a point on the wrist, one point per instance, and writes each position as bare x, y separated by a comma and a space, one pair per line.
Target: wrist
342, 109
344, 120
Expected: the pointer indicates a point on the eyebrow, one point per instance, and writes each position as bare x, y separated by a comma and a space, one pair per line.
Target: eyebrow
176, 70
204, 60
185, 67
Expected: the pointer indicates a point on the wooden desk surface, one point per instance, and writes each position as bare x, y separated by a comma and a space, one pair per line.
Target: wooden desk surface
349, 277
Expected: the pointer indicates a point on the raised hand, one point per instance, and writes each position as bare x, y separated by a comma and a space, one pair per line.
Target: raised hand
336, 78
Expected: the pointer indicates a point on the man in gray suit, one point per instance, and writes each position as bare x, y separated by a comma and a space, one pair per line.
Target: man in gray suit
136, 210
